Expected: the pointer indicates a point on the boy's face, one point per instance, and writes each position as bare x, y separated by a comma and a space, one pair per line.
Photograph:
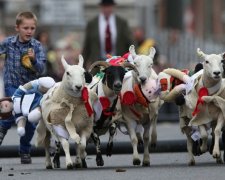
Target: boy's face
26, 29
6, 106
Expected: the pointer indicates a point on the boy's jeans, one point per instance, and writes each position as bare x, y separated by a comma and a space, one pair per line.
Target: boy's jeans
25, 145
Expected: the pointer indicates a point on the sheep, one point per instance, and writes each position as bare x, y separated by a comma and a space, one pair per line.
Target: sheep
67, 112
108, 89
205, 110
135, 113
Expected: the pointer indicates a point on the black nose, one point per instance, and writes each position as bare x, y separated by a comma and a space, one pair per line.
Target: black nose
217, 73
142, 79
118, 85
78, 87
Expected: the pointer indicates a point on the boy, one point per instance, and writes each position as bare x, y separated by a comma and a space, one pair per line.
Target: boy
24, 61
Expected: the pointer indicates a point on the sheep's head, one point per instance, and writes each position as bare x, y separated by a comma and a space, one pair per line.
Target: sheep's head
73, 79
114, 75
143, 63
212, 65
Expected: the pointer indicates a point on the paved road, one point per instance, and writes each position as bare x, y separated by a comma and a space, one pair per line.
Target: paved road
164, 166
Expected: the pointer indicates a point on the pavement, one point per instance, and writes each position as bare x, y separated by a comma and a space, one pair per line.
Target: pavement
170, 139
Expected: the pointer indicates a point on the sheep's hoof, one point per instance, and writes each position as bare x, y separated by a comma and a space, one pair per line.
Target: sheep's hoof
56, 162
99, 160
191, 163
69, 166
77, 165
219, 161
146, 164
136, 162
49, 167
216, 155
84, 164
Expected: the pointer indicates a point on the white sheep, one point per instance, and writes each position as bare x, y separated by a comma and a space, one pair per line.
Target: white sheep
67, 113
137, 114
207, 107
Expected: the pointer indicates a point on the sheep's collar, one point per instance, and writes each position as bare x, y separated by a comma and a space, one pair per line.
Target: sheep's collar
131, 97
213, 89
85, 98
205, 92
104, 100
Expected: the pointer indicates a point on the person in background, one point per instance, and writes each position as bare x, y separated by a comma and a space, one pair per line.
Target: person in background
143, 44
24, 61
106, 34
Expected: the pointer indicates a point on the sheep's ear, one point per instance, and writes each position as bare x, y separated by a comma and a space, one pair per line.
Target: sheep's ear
81, 61
201, 53
132, 51
223, 56
64, 63
152, 52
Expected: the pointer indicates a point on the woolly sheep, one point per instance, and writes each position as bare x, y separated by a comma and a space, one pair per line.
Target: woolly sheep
210, 110
137, 115
67, 112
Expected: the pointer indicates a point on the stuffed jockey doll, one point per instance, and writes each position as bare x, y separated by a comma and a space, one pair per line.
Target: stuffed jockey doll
173, 82
170, 83
26, 100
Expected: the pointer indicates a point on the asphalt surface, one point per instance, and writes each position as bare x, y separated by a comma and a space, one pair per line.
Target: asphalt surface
164, 166
166, 161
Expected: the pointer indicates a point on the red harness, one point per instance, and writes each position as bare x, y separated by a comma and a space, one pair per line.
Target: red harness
130, 98
202, 92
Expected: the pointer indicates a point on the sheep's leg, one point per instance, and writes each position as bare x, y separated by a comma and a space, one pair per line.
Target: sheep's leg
217, 132
48, 163
56, 158
81, 153
212, 142
218, 159
112, 130
154, 131
96, 140
204, 137
65, 145
187, 131
223, 141
146, 157
134, 142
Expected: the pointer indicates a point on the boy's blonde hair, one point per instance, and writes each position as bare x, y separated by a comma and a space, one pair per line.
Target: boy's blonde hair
25, 15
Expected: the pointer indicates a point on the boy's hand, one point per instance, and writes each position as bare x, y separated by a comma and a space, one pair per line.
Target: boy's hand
31, 54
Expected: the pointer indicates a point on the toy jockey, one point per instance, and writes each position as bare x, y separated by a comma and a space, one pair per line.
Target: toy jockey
24, 104
169, 84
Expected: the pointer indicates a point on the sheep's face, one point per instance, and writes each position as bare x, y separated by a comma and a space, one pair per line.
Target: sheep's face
144, 66
74, 78
213, 66
113, 78
143, 63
